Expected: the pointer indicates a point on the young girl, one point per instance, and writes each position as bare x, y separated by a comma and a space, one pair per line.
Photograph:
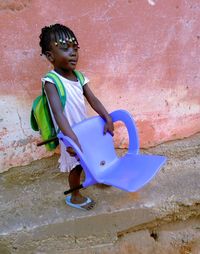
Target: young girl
59, 44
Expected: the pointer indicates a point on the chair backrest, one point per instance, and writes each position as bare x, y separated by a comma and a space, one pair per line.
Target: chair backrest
98, 149
127, 119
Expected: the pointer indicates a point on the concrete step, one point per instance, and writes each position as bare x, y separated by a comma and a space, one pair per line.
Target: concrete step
35, 219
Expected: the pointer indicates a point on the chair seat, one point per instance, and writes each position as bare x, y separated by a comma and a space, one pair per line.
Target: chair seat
131, 172
99, 160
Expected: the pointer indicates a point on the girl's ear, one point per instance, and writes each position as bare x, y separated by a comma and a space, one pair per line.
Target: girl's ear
49, 56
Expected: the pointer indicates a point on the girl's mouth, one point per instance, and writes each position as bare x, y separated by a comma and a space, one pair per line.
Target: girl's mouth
73, 62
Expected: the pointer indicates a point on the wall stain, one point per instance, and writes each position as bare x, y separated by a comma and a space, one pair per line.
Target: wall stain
14, 5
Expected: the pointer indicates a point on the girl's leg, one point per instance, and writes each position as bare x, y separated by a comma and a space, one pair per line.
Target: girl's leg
74, 181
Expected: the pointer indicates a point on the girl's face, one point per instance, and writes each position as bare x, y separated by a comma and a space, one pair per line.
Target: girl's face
63, 56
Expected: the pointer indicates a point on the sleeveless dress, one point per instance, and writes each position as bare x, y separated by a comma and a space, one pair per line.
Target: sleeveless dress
75, 111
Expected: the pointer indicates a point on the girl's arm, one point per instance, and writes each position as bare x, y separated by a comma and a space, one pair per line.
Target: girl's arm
99, 108
57, 110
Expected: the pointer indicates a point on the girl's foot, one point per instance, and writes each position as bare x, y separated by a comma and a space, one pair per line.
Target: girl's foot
76, 199
80, 202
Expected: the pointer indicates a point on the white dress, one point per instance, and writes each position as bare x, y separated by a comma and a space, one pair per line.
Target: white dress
75, 111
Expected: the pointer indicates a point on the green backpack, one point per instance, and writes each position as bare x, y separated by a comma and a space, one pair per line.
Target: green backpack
41, 119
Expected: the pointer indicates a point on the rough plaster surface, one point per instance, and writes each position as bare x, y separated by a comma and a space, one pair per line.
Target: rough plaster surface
161, 218
139, 55
14, 5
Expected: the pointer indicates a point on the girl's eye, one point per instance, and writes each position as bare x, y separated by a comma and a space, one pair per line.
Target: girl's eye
65, 48
76, 47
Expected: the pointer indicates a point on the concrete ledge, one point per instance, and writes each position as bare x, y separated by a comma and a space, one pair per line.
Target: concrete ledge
35, 219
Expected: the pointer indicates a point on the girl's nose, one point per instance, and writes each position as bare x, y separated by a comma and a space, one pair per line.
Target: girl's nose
72, 51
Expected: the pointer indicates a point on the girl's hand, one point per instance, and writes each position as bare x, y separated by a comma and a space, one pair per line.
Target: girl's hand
71, 151
109, 127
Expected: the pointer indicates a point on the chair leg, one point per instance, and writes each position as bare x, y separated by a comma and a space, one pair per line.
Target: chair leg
73, 189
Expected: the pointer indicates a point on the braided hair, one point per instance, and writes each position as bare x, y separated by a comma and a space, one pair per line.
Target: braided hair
57, 33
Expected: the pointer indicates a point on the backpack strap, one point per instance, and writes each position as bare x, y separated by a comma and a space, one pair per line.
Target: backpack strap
80, 77
59, 85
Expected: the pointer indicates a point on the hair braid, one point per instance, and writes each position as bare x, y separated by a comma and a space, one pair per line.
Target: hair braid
54, 32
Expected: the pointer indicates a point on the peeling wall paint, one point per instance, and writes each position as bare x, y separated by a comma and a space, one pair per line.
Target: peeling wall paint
152, 2
142, 56
14, 5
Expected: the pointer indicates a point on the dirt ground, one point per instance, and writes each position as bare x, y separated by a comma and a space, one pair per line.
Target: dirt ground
161, 218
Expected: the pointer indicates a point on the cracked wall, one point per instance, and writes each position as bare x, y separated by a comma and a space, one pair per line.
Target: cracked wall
139, 56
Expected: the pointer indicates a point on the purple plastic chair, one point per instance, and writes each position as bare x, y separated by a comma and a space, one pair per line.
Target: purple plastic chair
100, 161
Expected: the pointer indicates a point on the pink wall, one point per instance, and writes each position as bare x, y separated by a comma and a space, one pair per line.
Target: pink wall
138, 56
